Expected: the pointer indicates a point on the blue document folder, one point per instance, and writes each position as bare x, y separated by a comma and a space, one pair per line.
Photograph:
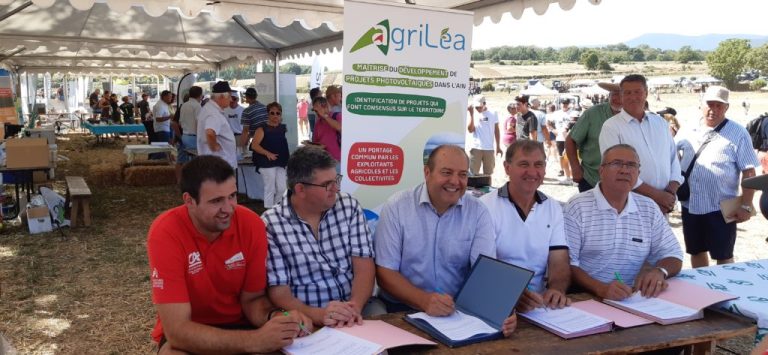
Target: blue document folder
489, 293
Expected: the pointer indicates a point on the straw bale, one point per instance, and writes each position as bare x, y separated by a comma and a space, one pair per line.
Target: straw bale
106, 174
152, 175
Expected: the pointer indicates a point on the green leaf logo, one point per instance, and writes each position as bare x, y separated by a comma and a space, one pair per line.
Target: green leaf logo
377, 35
444, 33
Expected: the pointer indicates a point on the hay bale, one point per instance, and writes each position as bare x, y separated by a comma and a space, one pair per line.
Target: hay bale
152, 175
105, 174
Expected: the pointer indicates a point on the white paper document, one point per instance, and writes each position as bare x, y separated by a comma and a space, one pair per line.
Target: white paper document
655, 307
457, 326
567, 320
332, 342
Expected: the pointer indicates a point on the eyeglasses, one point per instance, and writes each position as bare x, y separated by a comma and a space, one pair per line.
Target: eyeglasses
275, 113
328, 185
618, 164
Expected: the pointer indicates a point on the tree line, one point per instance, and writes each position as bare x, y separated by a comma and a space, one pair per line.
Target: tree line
614, 53
731, 58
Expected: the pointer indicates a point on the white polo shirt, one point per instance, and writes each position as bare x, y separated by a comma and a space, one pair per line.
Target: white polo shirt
484, 136
526, 243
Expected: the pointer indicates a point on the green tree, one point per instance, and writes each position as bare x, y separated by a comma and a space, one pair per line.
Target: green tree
758, 59
636, 55
604, 66
687, 55
478, 54
728, 60
590, 60
570, 54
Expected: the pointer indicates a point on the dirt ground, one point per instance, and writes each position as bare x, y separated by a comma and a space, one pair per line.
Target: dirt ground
87, 291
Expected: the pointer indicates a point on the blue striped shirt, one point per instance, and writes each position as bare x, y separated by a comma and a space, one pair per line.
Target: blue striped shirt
317, 270
717, 172
602, 241
253, 116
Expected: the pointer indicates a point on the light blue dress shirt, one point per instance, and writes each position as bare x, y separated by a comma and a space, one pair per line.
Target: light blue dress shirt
435, 253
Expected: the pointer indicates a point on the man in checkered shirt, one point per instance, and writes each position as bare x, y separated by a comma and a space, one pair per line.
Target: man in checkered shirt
320, 250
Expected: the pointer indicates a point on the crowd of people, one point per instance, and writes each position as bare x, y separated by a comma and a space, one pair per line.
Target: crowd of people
227, 280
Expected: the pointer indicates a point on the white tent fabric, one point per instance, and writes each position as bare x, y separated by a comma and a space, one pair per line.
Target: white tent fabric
313, 13
150, 37
538, 90
99, 40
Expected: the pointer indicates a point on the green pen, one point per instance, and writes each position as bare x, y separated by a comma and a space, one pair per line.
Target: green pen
618, 277
301, 325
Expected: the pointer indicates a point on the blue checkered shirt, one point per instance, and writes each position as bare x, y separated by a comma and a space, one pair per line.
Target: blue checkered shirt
317, 270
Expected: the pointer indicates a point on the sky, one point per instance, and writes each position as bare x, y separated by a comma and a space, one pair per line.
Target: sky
610, 23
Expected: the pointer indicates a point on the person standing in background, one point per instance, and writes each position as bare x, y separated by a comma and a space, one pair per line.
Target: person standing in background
301, 110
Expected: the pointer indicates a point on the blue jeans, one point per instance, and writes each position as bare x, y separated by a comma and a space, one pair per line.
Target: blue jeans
187, 142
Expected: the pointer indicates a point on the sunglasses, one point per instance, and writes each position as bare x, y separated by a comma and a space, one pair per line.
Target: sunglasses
276, 113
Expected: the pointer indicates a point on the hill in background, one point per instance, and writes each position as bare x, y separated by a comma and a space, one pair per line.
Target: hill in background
667, 41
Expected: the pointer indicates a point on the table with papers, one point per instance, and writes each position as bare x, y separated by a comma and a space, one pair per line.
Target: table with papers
748, 280
528, 338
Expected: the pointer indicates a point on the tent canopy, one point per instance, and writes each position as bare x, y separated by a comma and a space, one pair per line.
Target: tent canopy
101, 40
539, 90
174, 36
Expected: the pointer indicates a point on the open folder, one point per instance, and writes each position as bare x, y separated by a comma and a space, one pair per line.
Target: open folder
487, 298
373, 337
582, 318
681, 302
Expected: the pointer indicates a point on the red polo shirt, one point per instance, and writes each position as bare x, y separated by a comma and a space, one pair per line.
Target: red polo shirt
210, 276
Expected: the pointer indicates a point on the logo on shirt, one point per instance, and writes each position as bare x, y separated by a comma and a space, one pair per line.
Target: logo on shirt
195, 264
157, 282
236, 261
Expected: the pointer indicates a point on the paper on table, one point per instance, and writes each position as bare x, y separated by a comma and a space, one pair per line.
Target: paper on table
567, 319
729, 206
381, 332
655, 307
457, 326
620, 318
332, 342
692, 295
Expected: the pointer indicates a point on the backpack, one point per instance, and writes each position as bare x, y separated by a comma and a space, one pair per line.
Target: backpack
755, 129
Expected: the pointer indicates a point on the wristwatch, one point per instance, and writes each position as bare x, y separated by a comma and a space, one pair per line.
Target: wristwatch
664, 271
747, 208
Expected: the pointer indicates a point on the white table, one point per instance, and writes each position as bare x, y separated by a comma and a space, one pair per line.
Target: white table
748, 280
132, 149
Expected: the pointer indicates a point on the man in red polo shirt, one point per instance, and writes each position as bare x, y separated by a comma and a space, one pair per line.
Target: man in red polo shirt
208, 262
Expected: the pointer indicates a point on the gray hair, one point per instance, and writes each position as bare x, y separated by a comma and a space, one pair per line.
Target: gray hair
620, 146
217, 95
525, 145
303, 163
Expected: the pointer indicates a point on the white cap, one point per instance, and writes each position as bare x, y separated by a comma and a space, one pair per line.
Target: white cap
479, 100
716, 93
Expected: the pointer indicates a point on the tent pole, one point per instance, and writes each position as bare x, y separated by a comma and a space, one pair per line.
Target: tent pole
277, 76
16, 10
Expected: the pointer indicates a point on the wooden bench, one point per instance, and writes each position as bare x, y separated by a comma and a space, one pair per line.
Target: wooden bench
79, 195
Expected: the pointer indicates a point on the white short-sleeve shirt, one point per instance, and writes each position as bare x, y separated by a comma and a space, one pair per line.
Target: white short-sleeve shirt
526, 243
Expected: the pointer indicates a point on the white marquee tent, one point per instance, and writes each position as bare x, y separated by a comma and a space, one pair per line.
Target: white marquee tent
170, 36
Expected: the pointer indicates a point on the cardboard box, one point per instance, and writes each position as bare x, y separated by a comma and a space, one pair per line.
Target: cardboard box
39, 219
39, 176
27, 153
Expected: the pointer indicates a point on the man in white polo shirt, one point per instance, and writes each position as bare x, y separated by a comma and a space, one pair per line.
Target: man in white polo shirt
618, 239
529, 227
